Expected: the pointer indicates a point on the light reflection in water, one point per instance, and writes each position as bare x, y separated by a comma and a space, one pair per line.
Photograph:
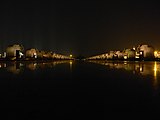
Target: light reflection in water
31, 66
18, 67
155, 69
155, 83
14, 67
70, 65
143, 68
2, 65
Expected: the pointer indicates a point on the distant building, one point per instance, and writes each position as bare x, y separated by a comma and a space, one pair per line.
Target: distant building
40, 54
14, 52
111, 55
120, 54
103, 56
157, 54
31, 53
48, 55
145, 51
129, 54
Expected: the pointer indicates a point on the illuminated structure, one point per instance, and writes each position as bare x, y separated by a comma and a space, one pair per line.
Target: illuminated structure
14, 52
120, 54
31, 53
110, 55
145, 51
129, 54
40, 54
141, 52
157, 54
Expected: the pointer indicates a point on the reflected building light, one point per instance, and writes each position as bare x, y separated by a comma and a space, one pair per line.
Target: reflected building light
70, 63
155, 69
155, 82
115, 64
20, 64
13, 69
141, 69
5, 65
125, 62
31, 66
35, 64
134, 72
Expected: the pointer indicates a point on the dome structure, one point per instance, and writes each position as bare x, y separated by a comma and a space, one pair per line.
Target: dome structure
14, 51
146, 51
31, 53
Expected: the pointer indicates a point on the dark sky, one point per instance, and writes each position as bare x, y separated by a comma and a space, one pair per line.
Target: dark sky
79, 26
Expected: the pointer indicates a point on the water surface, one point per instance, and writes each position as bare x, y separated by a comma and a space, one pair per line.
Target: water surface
33, 90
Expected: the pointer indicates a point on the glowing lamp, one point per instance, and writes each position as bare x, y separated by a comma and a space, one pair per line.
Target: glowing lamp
155, 53
70, 55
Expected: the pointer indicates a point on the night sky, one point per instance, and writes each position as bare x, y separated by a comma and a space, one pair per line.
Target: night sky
79, 27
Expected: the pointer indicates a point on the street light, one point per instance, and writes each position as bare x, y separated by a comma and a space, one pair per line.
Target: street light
70, 56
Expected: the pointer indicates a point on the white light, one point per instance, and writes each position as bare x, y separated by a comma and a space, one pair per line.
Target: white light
21, 54
125, 57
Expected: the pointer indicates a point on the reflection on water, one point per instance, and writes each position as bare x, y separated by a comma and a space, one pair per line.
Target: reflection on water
38, 86
144, 68
18, 67
141, 68
15, 68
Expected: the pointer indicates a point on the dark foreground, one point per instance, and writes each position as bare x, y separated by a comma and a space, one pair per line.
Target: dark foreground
85, 90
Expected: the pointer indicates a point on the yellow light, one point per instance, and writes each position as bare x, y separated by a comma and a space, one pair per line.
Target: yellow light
70, 55
155, 69
125, 57
70, 63
141, 69
155, 53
